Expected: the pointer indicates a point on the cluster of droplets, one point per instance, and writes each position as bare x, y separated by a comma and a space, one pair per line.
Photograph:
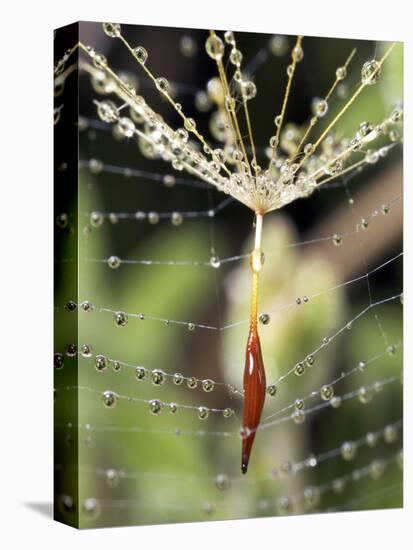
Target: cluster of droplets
156, 406
96, 220
157, 376
156, 139
308, 499
285, 180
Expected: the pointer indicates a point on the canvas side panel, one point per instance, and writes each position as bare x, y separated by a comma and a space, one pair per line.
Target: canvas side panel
66, 299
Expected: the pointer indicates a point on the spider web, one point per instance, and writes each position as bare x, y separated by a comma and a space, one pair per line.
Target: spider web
163, 304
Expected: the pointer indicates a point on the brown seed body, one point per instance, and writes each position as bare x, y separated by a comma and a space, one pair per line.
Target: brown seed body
254, 393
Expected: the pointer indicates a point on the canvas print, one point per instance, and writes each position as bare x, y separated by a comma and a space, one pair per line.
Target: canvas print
228, 274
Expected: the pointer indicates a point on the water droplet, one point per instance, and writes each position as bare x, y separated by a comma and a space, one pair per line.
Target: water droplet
385, 209
335, 402
192, 383
299, 404
222, 482
390, 434
364, 395
229, 38
62, 220
278, 45
370, 72
277, 122
116, 365
173, 408
337, 239
203, 413
91, 508
126, 127
176, 218
227, 413
108, 111
309, 361
207, 508
141, 54
311, 461
364, 224
153, 218
362, 365
235, 57
121, 319
348, 450
286, 468
58, 360
87, 306
377, 468
169, 180
191, 326
391, 350
71, 350
202, 101
327, 392
208, 385
66, 504
378, 386
338, 486
371, 439
311, 497
299, 369
319, 107
284, 505
96, 219
367, 131
298, 417
372, 156
158, 377
86, 350
334, 167
188, 46
272, 390
297, 53
109, 399
112, 478
214, 47
99, 61
140, 373
114, 262
298, 301
155, 406
178, 379
249, 89
341, 73
264, 318
162, 84
215, 262
111, 29
309, 148
190, 124
101, 363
